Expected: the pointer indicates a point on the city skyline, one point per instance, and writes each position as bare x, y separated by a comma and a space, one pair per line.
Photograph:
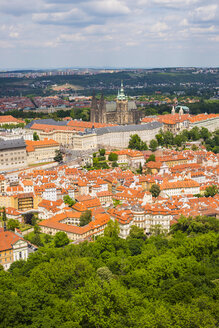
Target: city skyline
113, 33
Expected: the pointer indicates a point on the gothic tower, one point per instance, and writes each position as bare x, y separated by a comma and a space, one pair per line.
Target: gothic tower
102, 110
122, 107
94, 109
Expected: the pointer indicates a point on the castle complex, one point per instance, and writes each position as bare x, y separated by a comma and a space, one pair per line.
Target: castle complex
119, 112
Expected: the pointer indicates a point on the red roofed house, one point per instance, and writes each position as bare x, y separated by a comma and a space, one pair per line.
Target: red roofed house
12, 248
180, 187
8, 119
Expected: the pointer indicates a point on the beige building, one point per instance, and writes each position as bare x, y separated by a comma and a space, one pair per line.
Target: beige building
209, 121
114, 136
82, 141
41, 151
12, 155
61, 134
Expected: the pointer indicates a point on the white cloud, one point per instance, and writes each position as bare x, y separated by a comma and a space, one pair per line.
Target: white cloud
175, 3
205, 13
6, 44
14, 35
112, 30
70, 37
159, 27
108, 7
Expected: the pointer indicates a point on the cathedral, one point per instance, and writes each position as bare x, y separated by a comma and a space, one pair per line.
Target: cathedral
120, 111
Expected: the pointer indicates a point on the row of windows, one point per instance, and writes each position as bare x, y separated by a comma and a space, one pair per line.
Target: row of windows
6, 259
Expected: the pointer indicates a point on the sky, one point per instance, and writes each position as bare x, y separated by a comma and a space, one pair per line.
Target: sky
108, 33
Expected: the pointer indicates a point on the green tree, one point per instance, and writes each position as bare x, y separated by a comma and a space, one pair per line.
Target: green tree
211, 191
139, 170
114, 164
135, 142
194, 147
12, 224
35, 136
204, 133
113, 157
36, 240
61, 239
135, 246
105, 274
137, 233
4, 217
155, 190
153, 145
116, 202
72, 114
68, 200
168, 138
36, 229
29, 218
160, 139
102, 152
150, 111
85, 218
58, 157
194, 134
178, 140
112, 229
151, 158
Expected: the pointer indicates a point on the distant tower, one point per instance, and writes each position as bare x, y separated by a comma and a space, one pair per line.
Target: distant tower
102, 110
173, 112
122, 106
94, 108
181, 111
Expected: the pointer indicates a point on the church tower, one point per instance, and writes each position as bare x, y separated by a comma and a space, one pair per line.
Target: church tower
122, 107
102, 110
94, 109
181, 111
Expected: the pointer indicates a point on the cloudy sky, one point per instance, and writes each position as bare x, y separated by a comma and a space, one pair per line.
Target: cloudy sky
108, 33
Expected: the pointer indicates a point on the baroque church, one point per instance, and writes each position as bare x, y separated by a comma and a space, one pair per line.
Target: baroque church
121, 111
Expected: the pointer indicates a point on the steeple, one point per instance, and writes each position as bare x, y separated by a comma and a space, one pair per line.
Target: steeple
181, 111
121, 94
94, 100
173, 110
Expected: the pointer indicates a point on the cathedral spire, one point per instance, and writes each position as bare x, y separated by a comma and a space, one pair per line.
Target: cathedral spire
121, 94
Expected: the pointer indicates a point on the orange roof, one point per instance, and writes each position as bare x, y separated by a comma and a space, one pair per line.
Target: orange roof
9, 119
202, 117
179, 184
32, 145
85, 125
55, 223
8, 239
50, 128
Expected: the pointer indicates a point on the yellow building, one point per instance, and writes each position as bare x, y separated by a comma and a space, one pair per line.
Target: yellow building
25, 201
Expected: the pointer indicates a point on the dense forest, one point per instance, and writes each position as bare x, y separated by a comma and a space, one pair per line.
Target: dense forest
161, 281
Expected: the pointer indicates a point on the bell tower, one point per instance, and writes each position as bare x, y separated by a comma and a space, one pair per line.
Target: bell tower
122, 107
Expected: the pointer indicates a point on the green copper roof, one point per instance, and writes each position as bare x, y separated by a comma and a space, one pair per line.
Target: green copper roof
121, 94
